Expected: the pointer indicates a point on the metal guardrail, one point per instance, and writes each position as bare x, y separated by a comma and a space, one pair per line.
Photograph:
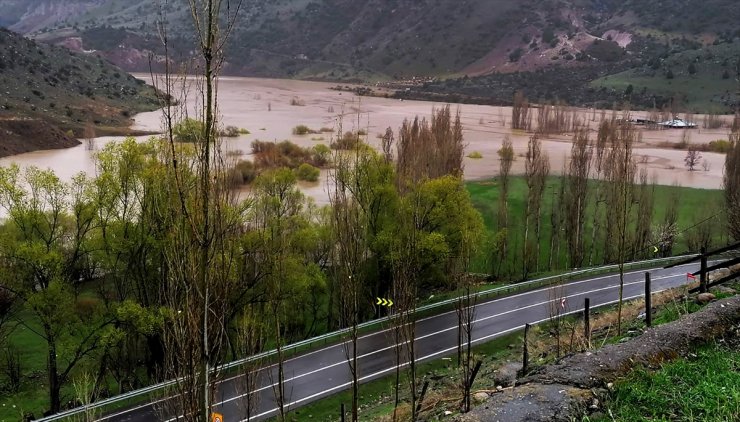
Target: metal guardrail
335, 335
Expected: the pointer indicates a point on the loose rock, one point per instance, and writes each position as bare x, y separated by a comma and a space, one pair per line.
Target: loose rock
703, 298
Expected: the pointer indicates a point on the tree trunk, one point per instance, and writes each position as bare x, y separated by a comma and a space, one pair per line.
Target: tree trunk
54, 382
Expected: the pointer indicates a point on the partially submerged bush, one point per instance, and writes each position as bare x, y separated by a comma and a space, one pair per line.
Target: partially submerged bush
720, 145
321, 155
287, 154
243, 173
229, 132
348, 141
188, 131
307, 172
303, 130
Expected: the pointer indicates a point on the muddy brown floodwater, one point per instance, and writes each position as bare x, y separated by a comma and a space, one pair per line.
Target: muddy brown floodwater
263, 106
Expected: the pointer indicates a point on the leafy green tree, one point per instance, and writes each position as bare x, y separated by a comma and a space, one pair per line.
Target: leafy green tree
46, 248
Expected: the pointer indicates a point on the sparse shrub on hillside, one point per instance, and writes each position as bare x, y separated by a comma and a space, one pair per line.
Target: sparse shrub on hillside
604, 50
515, 55
307, 172
295, 101
475, 155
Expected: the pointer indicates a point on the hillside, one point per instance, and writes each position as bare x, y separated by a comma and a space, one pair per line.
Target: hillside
400, 40
48, 90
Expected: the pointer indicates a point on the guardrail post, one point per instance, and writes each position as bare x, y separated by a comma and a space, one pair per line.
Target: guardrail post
703, 272
648, 301
342, 410
525, 351
587, 321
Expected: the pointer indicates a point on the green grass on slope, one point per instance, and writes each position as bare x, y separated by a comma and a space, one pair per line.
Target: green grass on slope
703, 388
693, 203
705, 91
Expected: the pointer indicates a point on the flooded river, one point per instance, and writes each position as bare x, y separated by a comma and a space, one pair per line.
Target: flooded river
266, 108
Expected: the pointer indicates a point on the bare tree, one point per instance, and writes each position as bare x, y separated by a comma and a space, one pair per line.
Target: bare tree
89, 135
430, 150
506, 159
731, 183
605, 132
557, 306
645, 199
537, 167
576, 196
693, 157
521, 118
620, 178
350, 255
465, 309
200, 257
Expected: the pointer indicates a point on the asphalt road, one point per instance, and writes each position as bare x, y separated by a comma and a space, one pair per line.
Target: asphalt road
323, 372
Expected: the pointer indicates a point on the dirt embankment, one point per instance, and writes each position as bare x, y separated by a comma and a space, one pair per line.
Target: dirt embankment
25, 135
562, 391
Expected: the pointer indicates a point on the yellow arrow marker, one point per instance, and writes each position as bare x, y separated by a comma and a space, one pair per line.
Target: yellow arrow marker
655, 249
383, 302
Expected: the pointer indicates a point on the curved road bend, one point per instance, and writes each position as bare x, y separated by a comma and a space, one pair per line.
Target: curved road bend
323, 372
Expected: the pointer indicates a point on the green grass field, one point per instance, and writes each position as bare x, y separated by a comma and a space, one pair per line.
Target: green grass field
694, 205
701, 92
32, 396
705, 387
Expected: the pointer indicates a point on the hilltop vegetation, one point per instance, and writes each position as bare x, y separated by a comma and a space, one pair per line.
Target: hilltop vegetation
572, 45
49, 88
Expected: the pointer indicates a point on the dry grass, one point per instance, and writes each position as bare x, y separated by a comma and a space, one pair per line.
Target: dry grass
603, 326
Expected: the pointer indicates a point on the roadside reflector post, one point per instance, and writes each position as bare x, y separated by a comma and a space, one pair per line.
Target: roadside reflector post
525, 352
703, 272
648, 301
587, 321
342, 412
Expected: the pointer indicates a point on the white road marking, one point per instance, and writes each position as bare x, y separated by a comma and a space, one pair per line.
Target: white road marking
393, 368
343, 362
480, 305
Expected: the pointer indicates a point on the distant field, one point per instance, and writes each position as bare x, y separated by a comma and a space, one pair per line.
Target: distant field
694, 205
709, 89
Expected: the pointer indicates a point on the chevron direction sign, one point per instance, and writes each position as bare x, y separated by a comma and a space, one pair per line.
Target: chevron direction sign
384, 302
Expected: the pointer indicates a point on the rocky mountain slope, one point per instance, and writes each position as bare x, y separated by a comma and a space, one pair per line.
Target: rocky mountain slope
394, 39
47, 90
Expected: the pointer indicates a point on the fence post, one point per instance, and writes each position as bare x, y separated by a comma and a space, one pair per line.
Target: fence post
703, 272
648, 301
587, 321
525, 352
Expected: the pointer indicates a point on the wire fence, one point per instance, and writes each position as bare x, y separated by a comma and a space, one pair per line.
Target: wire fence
158, 391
